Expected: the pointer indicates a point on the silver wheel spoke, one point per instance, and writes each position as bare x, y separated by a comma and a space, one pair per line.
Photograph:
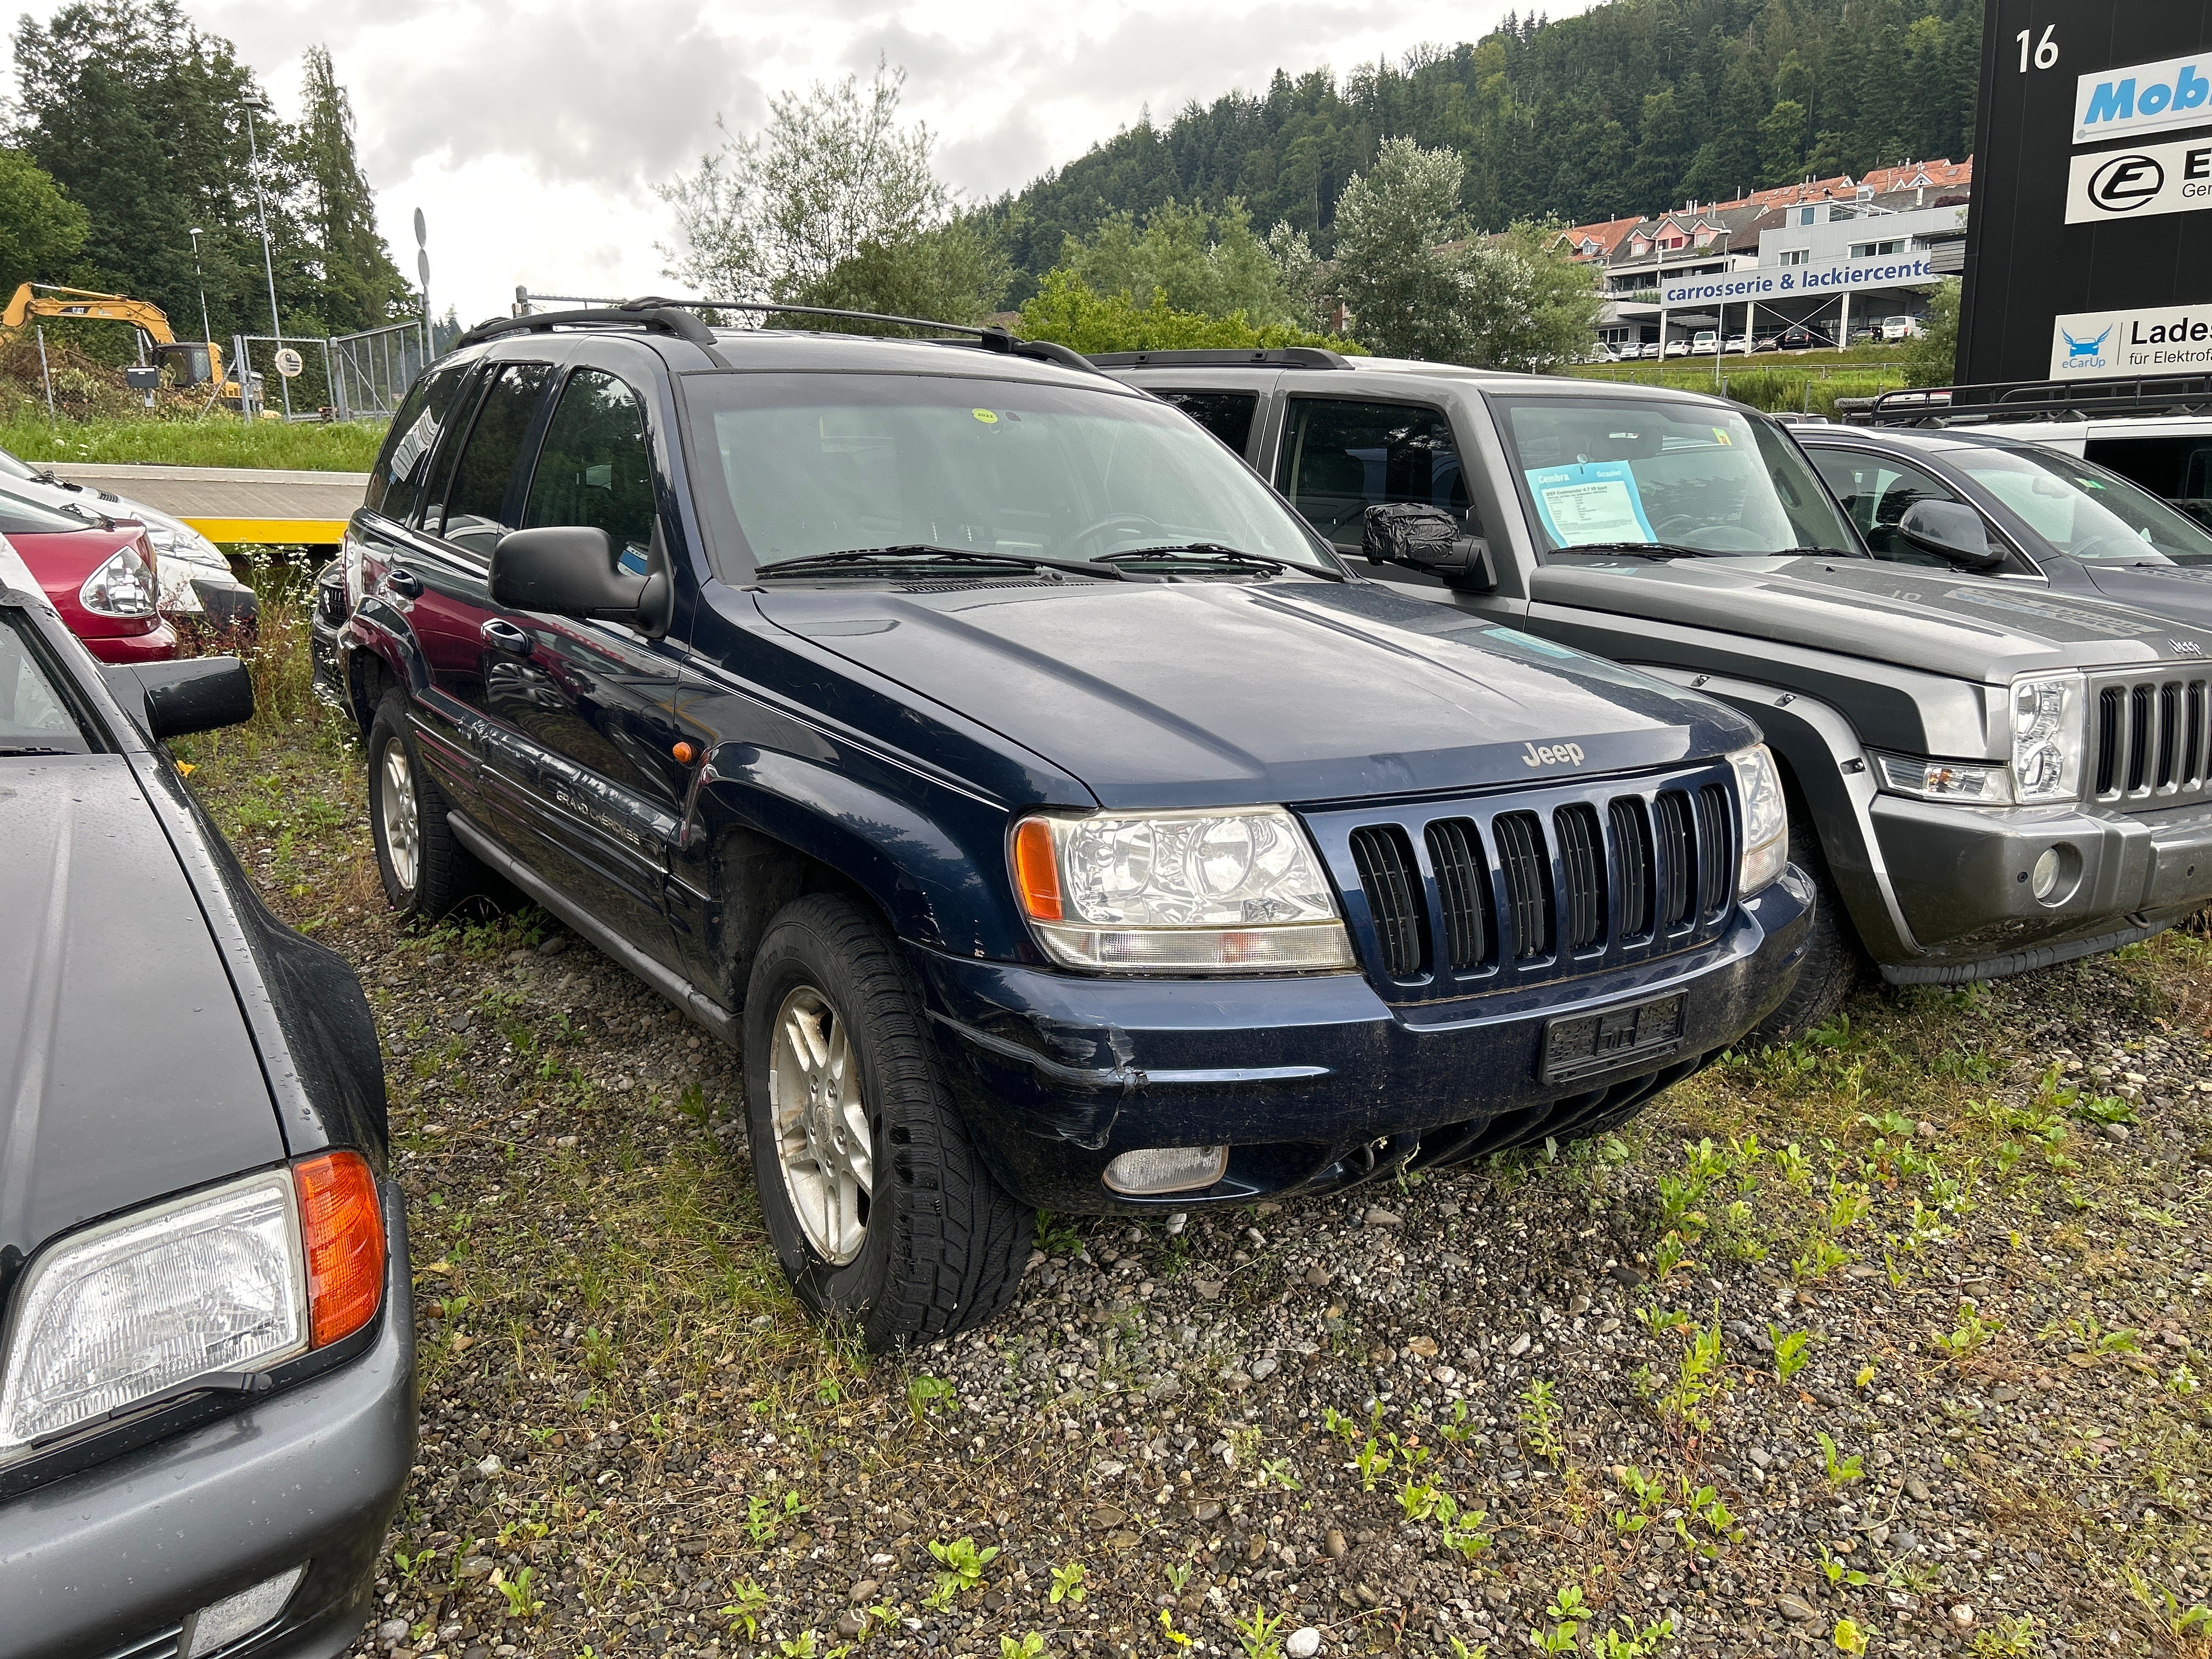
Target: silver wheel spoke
823, 1143
400, 817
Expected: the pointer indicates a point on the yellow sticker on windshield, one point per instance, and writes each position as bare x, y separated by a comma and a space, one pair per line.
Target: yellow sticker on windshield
985, 416
1720, 435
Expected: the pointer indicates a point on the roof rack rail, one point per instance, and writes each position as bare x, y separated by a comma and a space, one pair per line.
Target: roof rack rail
654, 316
989, 336
2046, 400
1252, 357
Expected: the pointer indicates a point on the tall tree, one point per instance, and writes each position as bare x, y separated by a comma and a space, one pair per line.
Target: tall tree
361, 286
41, 230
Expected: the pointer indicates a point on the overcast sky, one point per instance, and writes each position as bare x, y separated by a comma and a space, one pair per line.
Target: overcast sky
530, 134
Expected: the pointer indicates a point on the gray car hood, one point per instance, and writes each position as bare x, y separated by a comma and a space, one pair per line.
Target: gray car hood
1915, 617
126, 1071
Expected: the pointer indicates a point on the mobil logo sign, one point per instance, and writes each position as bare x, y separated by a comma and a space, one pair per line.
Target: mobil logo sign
2161, 97
2140, 182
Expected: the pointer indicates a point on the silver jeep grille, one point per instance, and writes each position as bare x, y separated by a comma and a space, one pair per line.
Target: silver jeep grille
2150, 740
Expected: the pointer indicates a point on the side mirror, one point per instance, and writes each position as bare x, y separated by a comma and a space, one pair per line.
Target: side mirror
196, 694
1427, 538
1950, 531
568, 570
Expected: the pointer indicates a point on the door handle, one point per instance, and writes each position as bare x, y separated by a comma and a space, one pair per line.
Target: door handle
505, 636
403, 581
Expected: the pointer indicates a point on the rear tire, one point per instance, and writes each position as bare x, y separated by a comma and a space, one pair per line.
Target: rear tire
426, 871
1834, 956
879, 1208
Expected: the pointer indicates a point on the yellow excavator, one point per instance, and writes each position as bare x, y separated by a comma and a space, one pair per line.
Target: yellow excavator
189, 362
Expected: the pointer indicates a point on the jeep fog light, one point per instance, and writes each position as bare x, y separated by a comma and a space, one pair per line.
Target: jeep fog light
1154, 1170
1236, 892
219, 1623
1765, 820
2055, 874
1970, 783
2050, 716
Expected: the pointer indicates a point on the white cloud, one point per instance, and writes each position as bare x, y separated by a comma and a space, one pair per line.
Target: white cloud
531, 131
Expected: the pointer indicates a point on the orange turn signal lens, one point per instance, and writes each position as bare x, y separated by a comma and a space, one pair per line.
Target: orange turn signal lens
1036, 870
342, 1226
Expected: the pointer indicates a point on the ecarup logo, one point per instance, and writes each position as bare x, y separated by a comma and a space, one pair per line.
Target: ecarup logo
2085, 354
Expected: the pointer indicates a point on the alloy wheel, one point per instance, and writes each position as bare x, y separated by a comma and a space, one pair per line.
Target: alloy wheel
822, 1140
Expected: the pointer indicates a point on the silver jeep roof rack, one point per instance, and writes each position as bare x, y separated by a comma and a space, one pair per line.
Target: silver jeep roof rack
1253, 357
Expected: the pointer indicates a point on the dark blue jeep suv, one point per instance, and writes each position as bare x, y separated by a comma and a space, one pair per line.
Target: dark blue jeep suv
1050, 814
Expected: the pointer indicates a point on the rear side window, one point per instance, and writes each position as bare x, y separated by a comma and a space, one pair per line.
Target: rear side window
594, 467
474, 517
396, 485
1339, 458
1226, 415
2177, 468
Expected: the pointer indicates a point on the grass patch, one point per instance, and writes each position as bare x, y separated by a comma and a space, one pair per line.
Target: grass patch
219, 440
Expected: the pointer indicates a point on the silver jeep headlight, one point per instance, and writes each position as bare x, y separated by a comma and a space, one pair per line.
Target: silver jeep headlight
1765, 820
1236, 891
2050, 725
137, 1306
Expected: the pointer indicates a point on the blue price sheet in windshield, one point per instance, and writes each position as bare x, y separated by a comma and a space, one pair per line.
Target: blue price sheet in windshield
1590, 501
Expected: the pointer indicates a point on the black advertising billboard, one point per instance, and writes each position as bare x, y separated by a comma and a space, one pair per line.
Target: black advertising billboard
2089, 247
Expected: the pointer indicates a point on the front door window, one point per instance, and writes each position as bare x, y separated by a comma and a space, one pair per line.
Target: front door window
1878, 491
474, 513
1340, 457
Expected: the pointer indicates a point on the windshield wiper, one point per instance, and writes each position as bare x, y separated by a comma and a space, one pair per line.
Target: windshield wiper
1815, 552
31, 749
920, 552
1197, 553
1654, 551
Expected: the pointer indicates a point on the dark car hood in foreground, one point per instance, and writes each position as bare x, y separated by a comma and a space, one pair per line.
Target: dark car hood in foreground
2180, 591
1913, 615
125, 1069
1228, 693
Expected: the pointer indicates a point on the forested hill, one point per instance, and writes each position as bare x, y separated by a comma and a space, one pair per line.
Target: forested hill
1631, 106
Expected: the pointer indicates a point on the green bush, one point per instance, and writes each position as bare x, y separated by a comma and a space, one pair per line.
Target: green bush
1064, 309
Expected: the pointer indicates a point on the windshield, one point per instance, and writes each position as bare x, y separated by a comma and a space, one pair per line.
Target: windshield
1699, 476
2082, 509
825, 464
12, 468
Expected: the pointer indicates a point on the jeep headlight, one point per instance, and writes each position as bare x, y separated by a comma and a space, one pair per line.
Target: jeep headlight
1236, 892
2050, 721
1765, 820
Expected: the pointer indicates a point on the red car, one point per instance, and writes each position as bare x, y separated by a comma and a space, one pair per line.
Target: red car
99, 575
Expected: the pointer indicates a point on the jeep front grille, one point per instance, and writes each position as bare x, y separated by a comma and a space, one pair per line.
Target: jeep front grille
2150, 744
1459, 896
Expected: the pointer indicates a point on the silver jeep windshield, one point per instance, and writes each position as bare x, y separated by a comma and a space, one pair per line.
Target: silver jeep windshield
1612, 474
815, 464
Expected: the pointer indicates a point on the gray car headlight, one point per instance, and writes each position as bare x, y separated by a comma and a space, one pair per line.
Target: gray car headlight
1236, 892
2050, 727
1765, 820
136, 1307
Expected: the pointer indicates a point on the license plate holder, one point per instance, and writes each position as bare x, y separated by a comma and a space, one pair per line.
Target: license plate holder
1585, 1045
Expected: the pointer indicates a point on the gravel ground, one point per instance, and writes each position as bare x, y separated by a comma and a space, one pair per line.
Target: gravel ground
1888, 1342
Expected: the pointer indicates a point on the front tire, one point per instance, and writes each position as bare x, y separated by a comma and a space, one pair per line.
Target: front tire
426, 871
1834, 956
879, 1208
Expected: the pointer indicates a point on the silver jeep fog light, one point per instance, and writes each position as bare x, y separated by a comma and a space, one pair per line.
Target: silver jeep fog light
2055, 874
1153, 1170
219, 1623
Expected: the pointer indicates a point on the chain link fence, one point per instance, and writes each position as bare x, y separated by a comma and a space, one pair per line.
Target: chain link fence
349, 377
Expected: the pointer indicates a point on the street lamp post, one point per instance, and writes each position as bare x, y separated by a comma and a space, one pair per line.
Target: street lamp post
267, 263
207, 329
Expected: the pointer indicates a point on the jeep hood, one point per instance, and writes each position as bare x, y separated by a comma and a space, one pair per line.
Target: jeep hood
126, 1072
2177, 593
1913, 615
1215, 694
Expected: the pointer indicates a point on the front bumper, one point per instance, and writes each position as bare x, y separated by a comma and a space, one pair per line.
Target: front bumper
1960, 877
126, 1550
1313, 1082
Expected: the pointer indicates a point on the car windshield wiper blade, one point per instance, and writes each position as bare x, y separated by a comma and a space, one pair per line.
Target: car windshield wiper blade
31, 749
1816, 552
1193, 553
1651, 549
921, 552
